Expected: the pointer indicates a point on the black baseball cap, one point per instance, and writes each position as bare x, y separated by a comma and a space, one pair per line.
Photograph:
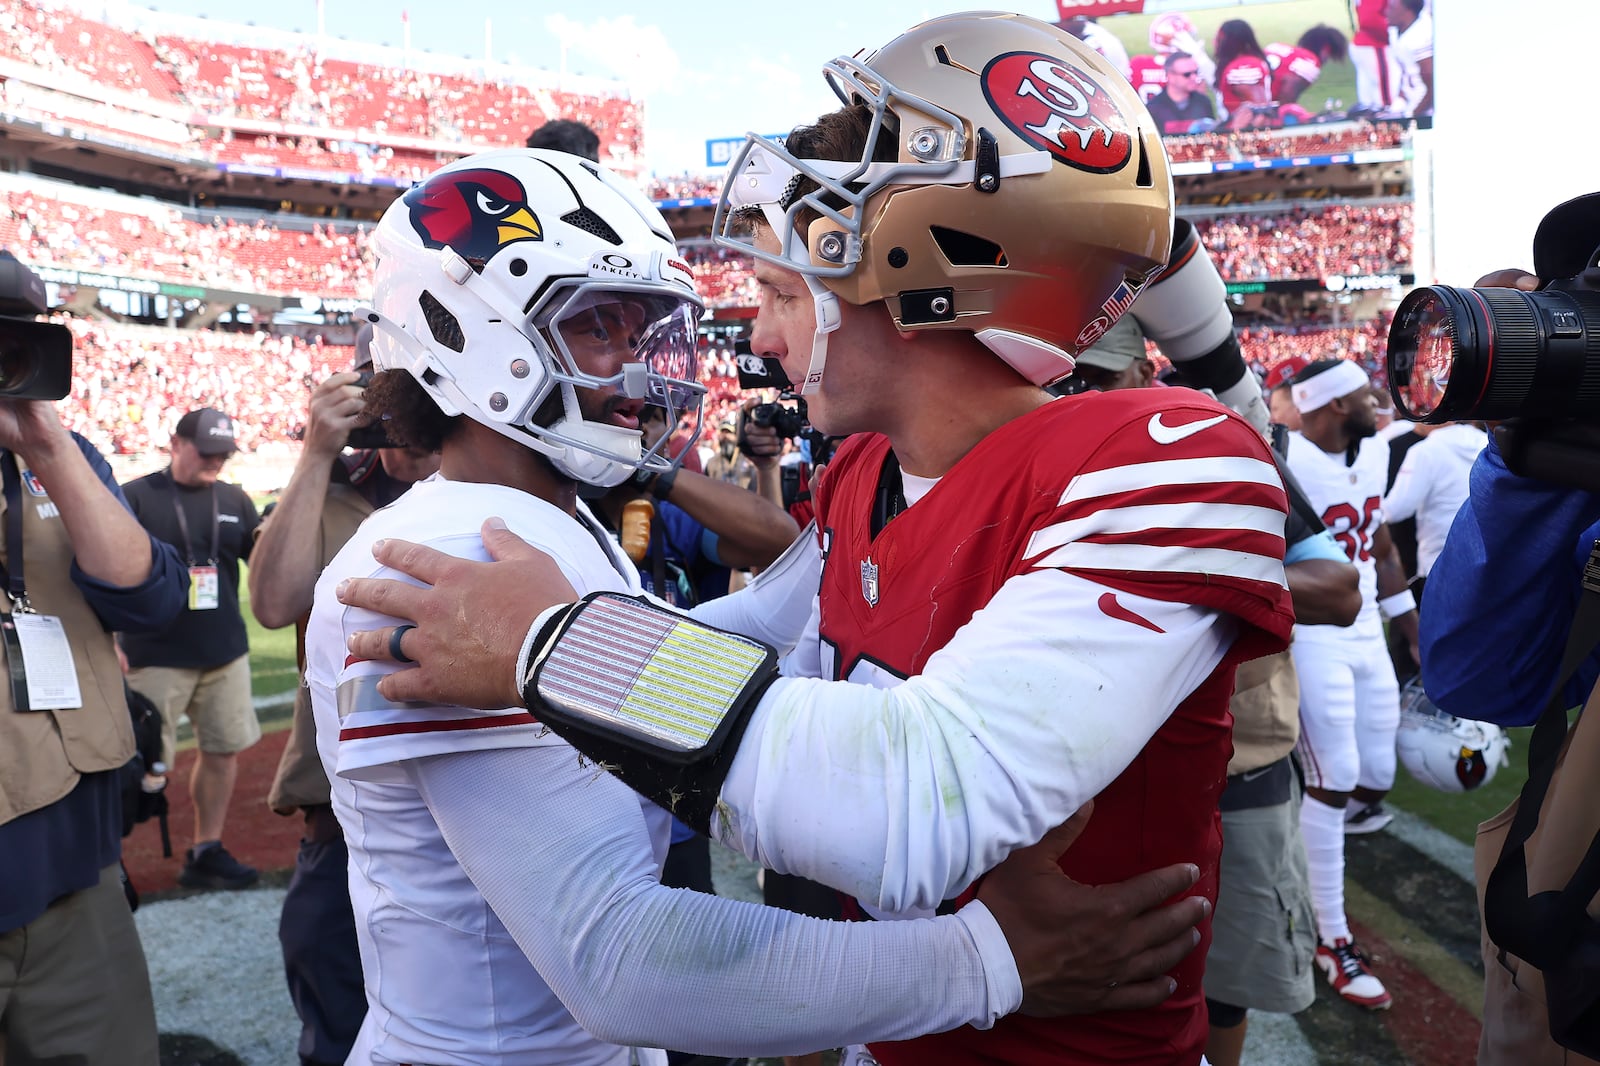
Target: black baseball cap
210, 429
1568, 239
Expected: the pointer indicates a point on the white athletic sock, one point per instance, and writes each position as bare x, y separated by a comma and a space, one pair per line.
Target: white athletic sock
1322, 827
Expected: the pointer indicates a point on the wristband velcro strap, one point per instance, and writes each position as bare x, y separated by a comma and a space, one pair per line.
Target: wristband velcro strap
654, 697
1400, 603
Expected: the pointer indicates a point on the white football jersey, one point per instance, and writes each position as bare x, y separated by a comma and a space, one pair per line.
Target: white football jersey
1349, 497
440, 968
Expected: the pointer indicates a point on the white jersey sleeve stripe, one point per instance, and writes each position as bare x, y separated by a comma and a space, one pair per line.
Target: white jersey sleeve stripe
1209, 470
1135, 519
1173, 559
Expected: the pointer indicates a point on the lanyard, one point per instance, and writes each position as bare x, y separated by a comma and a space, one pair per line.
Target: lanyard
183, 522
11, 571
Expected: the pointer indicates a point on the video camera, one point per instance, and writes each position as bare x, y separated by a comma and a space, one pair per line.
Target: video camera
760, 372
1488, 354
35, 357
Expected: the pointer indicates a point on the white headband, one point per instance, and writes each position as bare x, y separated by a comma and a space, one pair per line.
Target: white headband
1327, 386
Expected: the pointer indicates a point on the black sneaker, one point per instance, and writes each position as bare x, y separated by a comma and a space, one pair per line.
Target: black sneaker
215, 867
1360, 818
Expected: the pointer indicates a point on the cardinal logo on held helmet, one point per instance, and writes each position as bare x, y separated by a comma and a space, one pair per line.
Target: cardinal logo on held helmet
474, 212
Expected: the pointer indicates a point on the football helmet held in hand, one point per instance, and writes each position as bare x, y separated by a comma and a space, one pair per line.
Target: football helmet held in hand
1445, 752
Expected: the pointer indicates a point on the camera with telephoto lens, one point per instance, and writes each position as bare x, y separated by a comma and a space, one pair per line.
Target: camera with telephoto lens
1498, 354
764, 372
35, 357
371, 435
785, 421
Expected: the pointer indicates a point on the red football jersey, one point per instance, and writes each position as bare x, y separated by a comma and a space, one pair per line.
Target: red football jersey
1243, 73
1016, 502
1147, 76
1372, 23
1287, 59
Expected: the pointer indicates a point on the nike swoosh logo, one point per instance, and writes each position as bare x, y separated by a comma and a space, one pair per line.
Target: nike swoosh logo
1162, 433
1251, 775
1112, 609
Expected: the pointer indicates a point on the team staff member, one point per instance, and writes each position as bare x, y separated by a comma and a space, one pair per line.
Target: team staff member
199, 664
1002, 568
73, 981
330, 493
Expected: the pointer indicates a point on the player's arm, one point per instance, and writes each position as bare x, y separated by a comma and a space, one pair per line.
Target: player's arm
750, 529
1293, 86
284, 565
1032, 708
1395, 601
1425, 71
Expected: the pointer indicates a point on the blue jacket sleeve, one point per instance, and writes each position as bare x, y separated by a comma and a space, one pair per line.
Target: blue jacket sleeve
152, 603
1499, 601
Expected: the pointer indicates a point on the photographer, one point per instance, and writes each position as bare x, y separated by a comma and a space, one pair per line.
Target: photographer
77, 565
1498, 609
330, 493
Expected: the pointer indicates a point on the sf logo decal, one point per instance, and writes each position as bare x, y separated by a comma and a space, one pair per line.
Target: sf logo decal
1059, 108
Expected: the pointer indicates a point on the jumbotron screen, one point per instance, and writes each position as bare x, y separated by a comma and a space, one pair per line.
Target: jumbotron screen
1205, 67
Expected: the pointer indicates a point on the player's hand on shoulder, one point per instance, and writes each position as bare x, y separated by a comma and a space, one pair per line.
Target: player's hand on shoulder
1081, 949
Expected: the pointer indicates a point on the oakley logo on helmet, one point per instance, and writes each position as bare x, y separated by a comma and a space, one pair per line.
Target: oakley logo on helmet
474, 212
1061, 109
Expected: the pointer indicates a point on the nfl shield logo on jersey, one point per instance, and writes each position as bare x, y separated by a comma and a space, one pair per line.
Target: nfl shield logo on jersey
869, 582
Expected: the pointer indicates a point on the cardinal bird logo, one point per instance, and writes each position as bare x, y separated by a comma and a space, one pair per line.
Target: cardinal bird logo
474, 212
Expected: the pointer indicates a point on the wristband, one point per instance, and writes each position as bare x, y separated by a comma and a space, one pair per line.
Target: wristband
1400, 603
661, 487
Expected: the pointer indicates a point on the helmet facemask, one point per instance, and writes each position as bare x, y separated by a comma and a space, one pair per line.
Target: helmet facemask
641, 345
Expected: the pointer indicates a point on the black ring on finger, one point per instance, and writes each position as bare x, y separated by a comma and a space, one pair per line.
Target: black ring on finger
396, 635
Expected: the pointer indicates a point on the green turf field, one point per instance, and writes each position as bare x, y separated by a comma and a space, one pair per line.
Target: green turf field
1273, 23
272, 665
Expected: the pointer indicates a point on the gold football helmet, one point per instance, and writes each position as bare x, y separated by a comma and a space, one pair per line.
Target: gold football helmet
1012, 185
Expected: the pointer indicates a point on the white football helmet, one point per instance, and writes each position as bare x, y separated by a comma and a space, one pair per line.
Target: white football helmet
1012, 185
1445, 752
520, 276
1170, 32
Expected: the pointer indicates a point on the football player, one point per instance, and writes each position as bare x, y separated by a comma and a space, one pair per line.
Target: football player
1296, 67
1349, 700
506, 892
1013, 603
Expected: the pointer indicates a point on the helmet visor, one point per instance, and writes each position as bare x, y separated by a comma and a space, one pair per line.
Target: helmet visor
642, 342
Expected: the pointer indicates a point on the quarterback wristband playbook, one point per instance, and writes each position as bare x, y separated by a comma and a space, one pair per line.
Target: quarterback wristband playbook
655, 697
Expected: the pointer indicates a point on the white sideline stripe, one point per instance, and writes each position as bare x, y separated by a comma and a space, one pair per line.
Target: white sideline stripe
1439, 846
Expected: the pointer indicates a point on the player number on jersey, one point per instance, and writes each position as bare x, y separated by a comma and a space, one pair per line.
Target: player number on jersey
1354, 531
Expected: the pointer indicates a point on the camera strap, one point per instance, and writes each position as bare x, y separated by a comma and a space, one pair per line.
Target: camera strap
11, 569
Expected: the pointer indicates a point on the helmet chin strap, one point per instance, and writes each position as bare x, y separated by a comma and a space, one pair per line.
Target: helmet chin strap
826, 304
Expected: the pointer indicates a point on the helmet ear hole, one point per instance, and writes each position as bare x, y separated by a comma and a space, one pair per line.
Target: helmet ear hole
441, 323
964, 249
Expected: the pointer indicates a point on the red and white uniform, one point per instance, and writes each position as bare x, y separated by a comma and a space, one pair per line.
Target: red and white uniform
503, 889
1238, 77
1287, 59
1148, 76
1349, 700
1377, 73
1057, 618
1411, 47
